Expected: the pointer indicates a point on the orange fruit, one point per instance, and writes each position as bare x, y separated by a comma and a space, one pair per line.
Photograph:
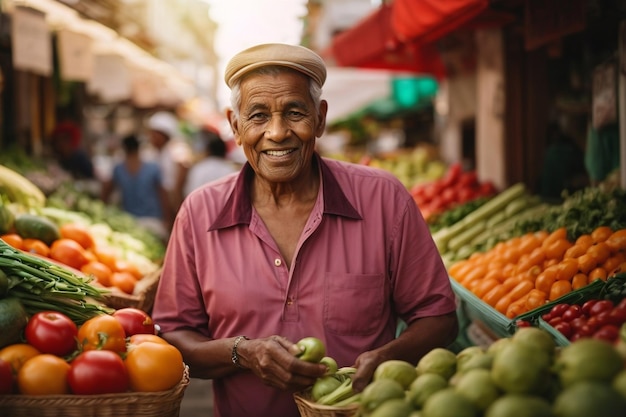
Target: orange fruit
597, 273
601, 233
107, 256
44, 375
557, 248
125, 281
559, 289
13, 239
68, 252
17, 354
126, 266
545, 279
617, 241
586, 263
484, 286
585, 241
566, 269
99, 271
557, 234
77, 233
600, 252
575, 251
579, 280
36, 246
614, 261
529, 242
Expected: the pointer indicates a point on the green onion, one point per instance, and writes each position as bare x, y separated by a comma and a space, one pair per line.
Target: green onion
42, 285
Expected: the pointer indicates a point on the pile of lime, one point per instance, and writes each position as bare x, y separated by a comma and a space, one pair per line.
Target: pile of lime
525, 375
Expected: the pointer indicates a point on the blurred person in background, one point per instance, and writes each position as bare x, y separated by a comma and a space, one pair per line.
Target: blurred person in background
65, 141
295, 246
213, 165
141, 190
174, 154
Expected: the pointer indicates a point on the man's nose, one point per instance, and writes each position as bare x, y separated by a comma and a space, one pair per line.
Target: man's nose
277, 128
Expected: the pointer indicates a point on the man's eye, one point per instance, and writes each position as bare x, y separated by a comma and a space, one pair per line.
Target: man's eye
257, 116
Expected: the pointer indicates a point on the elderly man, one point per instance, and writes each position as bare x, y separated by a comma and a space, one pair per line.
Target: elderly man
296, 245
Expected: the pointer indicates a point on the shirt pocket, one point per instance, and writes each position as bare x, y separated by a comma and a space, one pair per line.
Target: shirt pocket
354, 303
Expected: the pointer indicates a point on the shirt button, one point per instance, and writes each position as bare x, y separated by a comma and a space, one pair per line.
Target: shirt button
278, 262
290, 301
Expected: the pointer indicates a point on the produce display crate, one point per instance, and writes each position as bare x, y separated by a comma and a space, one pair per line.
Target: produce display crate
309, 408
558, 337
142, 296
131, 404
578, 296
481, 313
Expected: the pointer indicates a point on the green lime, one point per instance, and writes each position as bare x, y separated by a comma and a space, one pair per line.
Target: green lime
438, 361
589, 398
423, 387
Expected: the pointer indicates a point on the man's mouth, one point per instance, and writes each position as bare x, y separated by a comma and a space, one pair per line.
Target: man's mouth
279, 153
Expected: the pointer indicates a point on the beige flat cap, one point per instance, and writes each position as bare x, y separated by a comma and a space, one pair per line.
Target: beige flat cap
292, 56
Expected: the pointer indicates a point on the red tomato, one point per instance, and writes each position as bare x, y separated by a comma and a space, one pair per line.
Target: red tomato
564, 328
6, 377
607, 332
573, 312
600, 306
587, 306
103, 332
98, 372
577, 323
617, 316
51, 332
558, 310
555, 320
134, 321
602, 318
154, 366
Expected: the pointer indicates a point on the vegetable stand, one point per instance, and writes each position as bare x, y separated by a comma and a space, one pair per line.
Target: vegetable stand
131, 404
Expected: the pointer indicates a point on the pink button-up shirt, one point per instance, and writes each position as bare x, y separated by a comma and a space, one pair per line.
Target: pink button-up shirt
365, 259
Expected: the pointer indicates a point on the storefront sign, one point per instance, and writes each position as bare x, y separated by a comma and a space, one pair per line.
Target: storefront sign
75, 55
30, 37
548, 20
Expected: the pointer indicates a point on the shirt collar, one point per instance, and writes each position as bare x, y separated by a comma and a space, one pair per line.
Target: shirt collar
238, 207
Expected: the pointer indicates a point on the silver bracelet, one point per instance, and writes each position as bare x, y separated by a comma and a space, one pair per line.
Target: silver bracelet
234, 356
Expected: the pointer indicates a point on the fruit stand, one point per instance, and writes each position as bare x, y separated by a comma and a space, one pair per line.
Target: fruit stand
540, 284
77, 283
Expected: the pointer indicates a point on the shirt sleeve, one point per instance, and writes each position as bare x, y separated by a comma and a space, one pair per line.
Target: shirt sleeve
421, 285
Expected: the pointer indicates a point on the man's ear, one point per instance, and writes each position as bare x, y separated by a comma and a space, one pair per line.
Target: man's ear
233, 120
321, 126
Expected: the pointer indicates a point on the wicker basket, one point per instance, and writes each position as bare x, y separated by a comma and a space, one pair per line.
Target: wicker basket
135, 404
308, 408
141, 298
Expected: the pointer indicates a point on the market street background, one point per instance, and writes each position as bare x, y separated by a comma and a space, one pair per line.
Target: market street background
198, 399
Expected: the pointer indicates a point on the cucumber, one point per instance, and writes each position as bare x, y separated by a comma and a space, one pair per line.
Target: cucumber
13, 319
31, 226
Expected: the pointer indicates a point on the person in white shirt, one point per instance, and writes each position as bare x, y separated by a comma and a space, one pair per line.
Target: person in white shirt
213, 166
174, 154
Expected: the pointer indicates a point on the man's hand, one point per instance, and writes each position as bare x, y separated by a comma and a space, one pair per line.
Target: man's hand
273, 359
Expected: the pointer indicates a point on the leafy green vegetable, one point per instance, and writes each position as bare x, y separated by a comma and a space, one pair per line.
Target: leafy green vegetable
581, 212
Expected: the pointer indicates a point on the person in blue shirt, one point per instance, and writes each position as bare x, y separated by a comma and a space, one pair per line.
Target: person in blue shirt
140, 189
